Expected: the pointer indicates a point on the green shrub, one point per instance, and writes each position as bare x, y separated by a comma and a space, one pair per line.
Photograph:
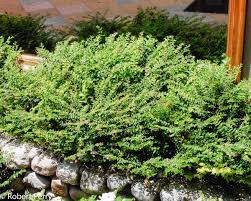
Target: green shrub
28, 32
94, 25
205, 41
90, 198
134, 104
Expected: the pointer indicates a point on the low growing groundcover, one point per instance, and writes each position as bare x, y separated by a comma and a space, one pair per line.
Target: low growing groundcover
133, 104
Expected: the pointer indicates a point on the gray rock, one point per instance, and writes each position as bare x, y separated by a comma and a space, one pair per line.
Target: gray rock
178, 192
3, 142
36, 181
172, 195
8, 152
44, 165
21, 156
76, 193
18, 156
117, 182
93, 182
68, 173
34, 151
143, 193
4, 139
59, 188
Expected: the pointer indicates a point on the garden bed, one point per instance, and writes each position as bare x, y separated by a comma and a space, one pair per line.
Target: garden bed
130, 104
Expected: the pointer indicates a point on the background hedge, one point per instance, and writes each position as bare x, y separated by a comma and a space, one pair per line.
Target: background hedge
206, 41
131, 103
28, 32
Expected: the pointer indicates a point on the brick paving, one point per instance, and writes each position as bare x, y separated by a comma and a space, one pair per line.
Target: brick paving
63, 12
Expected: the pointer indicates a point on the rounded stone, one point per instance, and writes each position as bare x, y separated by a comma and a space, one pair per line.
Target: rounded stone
93, 182
34, 151
143, 193
18, 156
3, 142
59, 188
117, 182
76, 193
8, 152
68, 173
173, 195
44, 165
21, 156
176, 191
36, 181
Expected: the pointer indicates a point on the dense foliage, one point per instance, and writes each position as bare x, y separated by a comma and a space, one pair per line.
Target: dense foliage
28, 32
132, 103
97, 24
206, 41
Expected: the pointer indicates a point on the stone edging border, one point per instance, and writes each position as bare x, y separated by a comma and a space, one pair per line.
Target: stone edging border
71, 180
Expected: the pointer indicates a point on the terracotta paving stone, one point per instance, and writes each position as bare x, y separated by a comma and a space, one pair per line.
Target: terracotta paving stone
12, 7
132, 9
56, 21
221, 18
123, 2
60, 12
73, 9
36, 5
28, 2
45, 12
103, 6
170, 3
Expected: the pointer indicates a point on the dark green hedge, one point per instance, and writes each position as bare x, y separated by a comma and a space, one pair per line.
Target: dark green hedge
28, 32
206, 41
131, 103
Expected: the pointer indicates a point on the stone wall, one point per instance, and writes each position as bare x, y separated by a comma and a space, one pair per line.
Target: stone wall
62, 180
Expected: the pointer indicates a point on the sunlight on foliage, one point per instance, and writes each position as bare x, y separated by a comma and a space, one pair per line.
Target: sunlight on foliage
131, 103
